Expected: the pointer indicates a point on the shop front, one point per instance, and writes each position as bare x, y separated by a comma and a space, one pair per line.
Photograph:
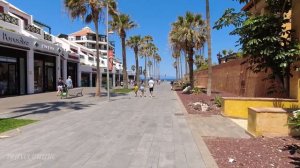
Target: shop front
46, 66
72, 68
13, 62
12, 71
44, 73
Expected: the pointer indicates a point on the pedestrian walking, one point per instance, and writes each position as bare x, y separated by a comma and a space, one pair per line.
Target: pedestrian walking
69, 83
151, 86
142, 89
135, 89
60, 85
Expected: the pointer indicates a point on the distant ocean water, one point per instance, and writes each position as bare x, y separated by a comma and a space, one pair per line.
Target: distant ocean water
168, 79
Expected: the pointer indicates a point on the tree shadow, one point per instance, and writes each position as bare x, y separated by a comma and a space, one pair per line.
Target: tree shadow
47, 107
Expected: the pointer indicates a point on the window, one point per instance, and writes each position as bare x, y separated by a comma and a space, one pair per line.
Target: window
78, 37
74, 50
91, 58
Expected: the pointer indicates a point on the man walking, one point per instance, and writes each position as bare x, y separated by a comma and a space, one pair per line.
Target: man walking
151, 86
69, 83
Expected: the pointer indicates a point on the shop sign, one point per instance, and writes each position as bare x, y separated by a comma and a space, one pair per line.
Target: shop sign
15, 39
46, 47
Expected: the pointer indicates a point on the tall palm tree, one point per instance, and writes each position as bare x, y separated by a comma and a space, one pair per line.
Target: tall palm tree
188, 32
146, 46
135, 43
90, 10
121, 23
209, 49
149, 67
158, 59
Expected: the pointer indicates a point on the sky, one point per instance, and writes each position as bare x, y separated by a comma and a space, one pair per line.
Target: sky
153, 17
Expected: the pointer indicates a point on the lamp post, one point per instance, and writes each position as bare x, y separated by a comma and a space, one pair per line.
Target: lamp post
107, 48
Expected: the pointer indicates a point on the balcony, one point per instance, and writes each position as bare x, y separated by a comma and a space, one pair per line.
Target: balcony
47, 37
9, 19
33, 29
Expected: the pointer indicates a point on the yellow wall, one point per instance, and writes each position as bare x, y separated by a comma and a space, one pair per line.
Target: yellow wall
268, 122
238, 107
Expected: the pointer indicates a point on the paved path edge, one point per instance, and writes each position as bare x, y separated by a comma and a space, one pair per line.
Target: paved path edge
205, 153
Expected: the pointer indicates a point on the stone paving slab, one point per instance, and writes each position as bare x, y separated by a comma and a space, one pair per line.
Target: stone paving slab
125, 132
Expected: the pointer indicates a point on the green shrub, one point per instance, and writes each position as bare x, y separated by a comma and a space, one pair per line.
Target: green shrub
218, 101
197, 90
294, 121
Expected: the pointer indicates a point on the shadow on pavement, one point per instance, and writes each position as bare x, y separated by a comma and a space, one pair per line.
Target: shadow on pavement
48, 107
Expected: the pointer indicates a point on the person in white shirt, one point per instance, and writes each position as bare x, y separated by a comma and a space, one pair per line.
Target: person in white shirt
69, 83
151, 86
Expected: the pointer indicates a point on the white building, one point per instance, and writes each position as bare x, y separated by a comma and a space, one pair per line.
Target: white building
32, 60
29, 61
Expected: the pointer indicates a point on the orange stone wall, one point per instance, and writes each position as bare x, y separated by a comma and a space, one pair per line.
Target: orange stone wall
234, 77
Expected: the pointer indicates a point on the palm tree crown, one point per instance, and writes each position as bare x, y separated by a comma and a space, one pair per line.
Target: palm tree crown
135, 43
188, 34
121, 23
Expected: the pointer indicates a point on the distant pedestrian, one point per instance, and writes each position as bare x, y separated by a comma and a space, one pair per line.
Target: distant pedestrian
60, 85
172, 82
69, 83
135, 89
142, 89
151, 86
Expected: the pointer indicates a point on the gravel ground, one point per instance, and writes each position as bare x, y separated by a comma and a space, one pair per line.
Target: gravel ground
254, 152
187, 99
260, 152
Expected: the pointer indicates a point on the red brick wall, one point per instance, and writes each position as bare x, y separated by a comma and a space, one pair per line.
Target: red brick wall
233, 77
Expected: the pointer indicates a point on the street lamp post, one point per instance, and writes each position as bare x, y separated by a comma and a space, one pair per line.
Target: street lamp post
107, 47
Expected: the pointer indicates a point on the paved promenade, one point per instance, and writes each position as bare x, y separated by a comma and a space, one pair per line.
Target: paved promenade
127, 132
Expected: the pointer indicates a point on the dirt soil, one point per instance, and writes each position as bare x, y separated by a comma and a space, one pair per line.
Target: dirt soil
279, 152
187, 99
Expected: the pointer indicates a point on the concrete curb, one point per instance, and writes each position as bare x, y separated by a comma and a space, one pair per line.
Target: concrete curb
206, 155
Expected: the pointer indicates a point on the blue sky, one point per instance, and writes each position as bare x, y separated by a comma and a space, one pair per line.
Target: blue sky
154, 17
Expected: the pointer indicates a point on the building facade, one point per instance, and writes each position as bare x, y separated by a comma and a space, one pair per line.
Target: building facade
32, 59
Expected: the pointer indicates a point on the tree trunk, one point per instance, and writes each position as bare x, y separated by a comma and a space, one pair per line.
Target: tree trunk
145, 68
209, 49
98, 93
191, 70
286, 81
137, 71
125, 77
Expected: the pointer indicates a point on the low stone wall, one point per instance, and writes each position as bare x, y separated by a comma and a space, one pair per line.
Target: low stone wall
268, 122
237, 107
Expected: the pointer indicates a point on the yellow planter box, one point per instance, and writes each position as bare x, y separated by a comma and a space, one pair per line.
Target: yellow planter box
266, 121
237, 107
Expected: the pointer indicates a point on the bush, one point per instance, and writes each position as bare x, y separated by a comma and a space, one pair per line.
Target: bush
184, 85
218, 101
197, 90
294, 121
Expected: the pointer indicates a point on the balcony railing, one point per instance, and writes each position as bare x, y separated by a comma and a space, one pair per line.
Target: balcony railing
47, 37
33, 29
9, 19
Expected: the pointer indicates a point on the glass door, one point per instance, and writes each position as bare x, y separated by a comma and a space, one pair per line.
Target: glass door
49, 78
12, 80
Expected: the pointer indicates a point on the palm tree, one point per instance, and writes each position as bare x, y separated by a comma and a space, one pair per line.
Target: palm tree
145, 50
158, 59
188, 32
209, 49
135, 43
133, 67
90, 10
149, 67
121, 23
